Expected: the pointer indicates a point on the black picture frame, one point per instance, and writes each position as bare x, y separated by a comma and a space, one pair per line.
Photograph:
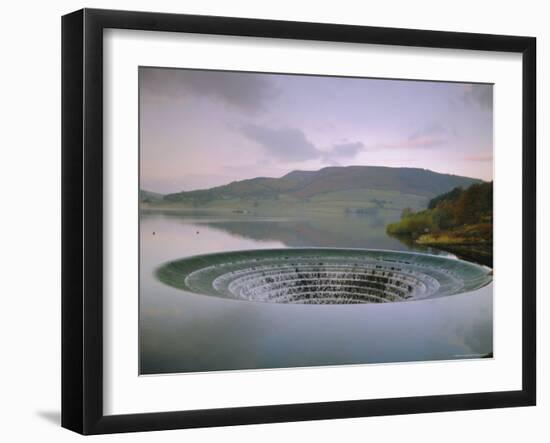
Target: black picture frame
82, 220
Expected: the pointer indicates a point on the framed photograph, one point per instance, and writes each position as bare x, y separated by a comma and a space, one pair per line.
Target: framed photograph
269, 221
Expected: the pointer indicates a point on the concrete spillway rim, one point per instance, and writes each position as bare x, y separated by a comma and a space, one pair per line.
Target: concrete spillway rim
485, 273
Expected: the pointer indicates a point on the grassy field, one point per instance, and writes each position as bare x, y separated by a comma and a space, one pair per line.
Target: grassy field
481, 233
353, 200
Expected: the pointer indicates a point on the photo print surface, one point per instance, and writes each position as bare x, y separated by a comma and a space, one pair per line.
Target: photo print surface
294, 221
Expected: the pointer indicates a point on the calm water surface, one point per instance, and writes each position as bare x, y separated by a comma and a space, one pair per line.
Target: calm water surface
185, 332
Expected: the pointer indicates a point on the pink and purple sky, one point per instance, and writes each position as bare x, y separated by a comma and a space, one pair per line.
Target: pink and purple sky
200, 129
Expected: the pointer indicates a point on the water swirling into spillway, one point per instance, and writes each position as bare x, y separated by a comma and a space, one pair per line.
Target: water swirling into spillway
324, 276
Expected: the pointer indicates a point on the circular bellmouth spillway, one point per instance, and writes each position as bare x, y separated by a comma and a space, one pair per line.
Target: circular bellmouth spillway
324, 276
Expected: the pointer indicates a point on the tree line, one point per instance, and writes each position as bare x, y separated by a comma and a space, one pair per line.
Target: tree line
456, 209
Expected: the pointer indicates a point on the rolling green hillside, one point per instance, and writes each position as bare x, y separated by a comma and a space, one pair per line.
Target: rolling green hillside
352, 188
460, 221
149, 197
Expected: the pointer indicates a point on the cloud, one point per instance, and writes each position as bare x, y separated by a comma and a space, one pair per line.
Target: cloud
429, 137
289, 144
347, 149
424, 141
479, 158
247, 91
286, 144
433, 135
343, 150
482, 95
292, 145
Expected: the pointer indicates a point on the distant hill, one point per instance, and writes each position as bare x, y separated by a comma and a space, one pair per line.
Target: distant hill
305, 185
149, 197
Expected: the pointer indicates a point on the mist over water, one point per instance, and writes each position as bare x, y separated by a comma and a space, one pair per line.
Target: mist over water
185, 332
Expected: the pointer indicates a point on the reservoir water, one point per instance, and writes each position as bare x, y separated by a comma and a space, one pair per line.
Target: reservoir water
184, 331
